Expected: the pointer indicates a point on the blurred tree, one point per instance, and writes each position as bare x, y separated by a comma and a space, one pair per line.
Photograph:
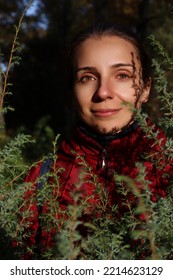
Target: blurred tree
10, 12
8, 17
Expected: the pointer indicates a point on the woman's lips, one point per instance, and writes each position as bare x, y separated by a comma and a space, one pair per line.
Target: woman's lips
105, 112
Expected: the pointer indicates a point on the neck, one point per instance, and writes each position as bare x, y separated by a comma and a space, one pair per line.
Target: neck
103, 139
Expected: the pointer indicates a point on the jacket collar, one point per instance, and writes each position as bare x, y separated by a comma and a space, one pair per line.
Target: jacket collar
103, 140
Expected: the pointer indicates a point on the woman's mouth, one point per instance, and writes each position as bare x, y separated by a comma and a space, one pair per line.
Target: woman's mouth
105, 112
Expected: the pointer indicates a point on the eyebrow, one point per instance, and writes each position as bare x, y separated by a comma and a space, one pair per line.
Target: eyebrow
122, 65
87, 68
91, 68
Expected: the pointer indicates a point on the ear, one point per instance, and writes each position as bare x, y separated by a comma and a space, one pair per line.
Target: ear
146, 91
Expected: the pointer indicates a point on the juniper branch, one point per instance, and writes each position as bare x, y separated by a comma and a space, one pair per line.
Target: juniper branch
12, 57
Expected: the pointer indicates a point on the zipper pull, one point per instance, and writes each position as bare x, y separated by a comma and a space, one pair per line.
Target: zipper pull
104, 156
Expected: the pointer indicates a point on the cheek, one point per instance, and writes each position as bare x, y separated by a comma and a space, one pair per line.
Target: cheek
83, 95
129, 96
81, 100
133, 93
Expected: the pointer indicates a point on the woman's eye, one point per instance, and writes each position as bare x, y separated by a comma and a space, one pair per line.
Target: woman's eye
123, 76
86, 79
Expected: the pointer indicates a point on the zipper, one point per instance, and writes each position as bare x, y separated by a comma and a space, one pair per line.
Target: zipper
104, 158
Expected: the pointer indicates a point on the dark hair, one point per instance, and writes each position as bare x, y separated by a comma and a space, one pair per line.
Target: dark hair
99, 30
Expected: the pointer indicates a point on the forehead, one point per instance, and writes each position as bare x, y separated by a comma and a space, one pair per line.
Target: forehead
105, 48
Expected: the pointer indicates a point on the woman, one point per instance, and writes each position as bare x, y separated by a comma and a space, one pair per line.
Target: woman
110, 75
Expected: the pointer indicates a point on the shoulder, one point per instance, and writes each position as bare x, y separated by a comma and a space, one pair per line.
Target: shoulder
153, 134
34, 172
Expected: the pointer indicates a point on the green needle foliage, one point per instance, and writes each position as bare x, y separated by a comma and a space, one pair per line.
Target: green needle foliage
163, 66
144, 231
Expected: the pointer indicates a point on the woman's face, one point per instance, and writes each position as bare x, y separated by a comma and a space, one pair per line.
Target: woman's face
108, 79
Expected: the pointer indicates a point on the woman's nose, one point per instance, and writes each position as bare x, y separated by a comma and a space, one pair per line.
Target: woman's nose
103, 91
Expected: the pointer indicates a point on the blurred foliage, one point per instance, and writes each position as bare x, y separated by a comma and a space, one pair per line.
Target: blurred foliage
43, 135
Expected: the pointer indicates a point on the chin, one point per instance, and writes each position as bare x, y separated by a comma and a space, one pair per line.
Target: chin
105, 130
